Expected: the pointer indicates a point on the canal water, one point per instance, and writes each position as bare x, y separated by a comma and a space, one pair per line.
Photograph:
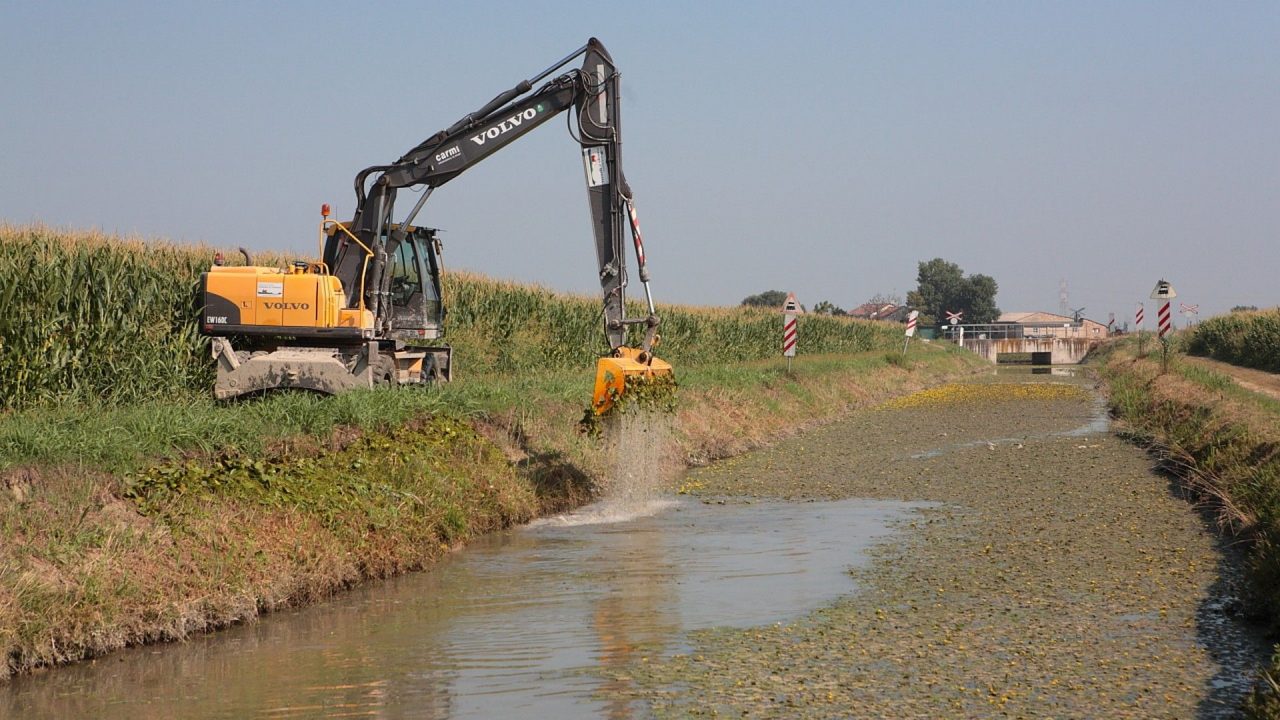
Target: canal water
526, 623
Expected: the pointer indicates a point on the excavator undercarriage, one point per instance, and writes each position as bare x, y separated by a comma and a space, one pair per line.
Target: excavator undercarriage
328, 370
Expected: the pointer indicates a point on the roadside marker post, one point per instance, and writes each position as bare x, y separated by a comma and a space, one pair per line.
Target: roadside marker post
1164, 292
1137, 317
790, 333
911, 329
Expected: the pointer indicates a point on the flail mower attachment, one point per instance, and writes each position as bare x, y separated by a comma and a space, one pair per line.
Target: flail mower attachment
624, 372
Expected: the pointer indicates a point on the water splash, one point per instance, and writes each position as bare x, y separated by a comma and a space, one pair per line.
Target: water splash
605, 512
641, 466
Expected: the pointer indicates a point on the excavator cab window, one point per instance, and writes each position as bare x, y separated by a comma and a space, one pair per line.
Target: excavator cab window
415, 286
406, 274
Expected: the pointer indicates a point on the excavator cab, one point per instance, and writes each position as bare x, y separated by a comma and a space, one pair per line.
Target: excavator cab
413, 310
414, 286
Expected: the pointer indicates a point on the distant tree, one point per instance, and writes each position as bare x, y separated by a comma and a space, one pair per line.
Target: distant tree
768, 298
828, 308
892, 298
1244, 308
942, 286
981, 297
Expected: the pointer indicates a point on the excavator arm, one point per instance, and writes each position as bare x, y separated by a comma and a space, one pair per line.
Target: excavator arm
591, 91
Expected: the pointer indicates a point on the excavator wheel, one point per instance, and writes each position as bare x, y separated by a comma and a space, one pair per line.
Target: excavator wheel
384, 371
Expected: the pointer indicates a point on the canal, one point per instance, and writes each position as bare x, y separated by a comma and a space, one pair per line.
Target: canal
977, 549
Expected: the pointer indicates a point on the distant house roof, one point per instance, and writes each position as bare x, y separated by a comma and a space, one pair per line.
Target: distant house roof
1016, 317
1040, 317
873, 311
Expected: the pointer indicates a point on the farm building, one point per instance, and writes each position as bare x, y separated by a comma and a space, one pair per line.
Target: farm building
1045, 324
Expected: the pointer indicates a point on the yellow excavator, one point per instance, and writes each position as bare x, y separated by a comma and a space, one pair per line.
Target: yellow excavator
369, 311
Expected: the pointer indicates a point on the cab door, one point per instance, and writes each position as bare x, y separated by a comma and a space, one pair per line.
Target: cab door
414, 287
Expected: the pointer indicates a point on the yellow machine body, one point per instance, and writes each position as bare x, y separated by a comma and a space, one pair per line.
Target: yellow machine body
612, 374
271, 297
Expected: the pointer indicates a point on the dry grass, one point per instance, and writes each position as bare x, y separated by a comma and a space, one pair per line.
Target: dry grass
1222, 445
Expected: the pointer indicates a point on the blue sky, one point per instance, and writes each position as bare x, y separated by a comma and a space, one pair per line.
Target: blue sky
822, 148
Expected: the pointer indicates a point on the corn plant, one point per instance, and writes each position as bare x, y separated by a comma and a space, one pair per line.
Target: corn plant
1241, 338
89, 316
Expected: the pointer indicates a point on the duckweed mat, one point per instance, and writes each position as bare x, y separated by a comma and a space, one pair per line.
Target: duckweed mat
1058, 576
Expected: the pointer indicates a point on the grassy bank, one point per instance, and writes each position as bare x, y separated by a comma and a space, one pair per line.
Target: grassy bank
1225, 442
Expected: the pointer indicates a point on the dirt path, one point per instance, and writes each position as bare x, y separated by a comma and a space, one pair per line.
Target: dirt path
1057, 576
1258, 381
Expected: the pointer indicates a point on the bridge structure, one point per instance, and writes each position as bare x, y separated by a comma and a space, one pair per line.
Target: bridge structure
1026, 343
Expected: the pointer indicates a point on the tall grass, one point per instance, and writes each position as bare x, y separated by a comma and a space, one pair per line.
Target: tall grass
87, 316
1241, 338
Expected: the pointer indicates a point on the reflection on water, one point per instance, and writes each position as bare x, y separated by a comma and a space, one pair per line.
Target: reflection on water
518, 624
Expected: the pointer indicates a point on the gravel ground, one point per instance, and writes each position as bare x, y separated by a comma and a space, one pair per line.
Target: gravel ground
1057, 575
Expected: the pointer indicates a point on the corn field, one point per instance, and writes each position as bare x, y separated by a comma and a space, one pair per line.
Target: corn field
89, 316
1241, 338
507, 327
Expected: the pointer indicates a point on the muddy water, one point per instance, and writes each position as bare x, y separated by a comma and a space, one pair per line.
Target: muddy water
517, 625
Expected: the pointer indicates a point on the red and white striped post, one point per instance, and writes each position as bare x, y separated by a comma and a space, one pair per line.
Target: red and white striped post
911, 329
790, 328
1137, 318
1164, 293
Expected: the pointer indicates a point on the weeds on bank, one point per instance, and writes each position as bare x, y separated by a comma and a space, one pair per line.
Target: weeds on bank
387, 479
91, 563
